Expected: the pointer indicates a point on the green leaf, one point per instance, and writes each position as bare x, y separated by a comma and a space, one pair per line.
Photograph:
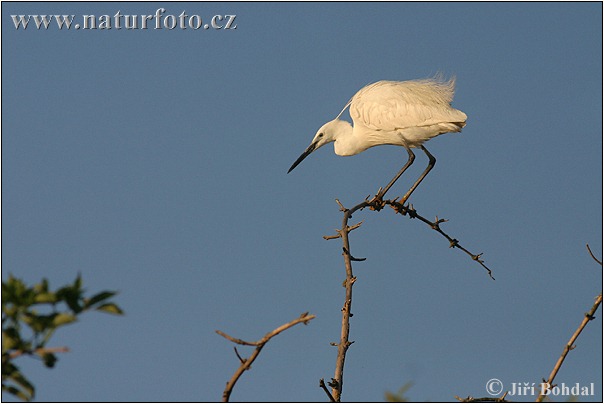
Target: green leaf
47, 323
41, 287
12, 373
10, 339
62, 319
35, 322
110, 308
45, 297
16, 292
71, 296
17, 315
13, 342
10, 310
99, 297
16, 392
77, 284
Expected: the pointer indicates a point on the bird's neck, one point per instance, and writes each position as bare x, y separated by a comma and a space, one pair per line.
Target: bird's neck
346, 141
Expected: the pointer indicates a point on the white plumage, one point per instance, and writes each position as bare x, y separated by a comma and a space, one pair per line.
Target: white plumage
402, 113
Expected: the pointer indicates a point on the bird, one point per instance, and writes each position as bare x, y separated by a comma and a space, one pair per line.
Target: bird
400, 113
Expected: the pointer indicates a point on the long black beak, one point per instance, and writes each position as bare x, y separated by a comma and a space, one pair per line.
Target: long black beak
308, 150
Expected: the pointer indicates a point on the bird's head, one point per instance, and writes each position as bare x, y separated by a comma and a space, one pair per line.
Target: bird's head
326, 134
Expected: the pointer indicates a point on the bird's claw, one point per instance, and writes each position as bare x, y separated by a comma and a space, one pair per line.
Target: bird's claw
377, 203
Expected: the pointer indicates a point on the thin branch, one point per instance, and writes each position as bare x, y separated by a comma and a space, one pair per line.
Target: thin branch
338, 379
350, 228
39, 351
342, 208
592, 255
356, 226
378, 204
324, 387
247, 363
453, 243
236, 340
569, 346
350, 255
239, 356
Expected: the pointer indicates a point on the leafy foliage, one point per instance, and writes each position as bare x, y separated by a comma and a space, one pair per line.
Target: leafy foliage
31, 315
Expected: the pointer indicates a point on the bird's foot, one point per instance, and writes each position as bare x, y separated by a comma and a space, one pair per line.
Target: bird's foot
377, 203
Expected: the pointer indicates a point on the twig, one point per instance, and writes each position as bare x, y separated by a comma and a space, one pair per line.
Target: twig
39, 351
356, 226
346, 252
324, 387
453, 243
403, 209
350, 228
569, 346
235, 340
247, 363
592, 255
239, 356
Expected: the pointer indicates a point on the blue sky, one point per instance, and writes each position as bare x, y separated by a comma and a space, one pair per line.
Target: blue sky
154, 162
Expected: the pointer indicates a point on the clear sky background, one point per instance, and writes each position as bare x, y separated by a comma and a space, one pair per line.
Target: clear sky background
154, 162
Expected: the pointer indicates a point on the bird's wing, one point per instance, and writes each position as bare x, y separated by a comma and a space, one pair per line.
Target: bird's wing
391, 105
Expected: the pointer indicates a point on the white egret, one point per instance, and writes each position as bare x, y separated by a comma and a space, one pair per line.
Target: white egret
401, 113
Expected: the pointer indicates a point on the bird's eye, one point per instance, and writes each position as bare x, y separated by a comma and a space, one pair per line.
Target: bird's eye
320, 135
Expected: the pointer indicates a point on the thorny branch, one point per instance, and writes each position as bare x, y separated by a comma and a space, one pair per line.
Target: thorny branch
570, 345
404, 210
453, 243
338, 380
246, 363
375, 204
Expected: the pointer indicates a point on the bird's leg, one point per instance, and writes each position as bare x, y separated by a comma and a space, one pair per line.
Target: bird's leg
383, 191
431, 163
